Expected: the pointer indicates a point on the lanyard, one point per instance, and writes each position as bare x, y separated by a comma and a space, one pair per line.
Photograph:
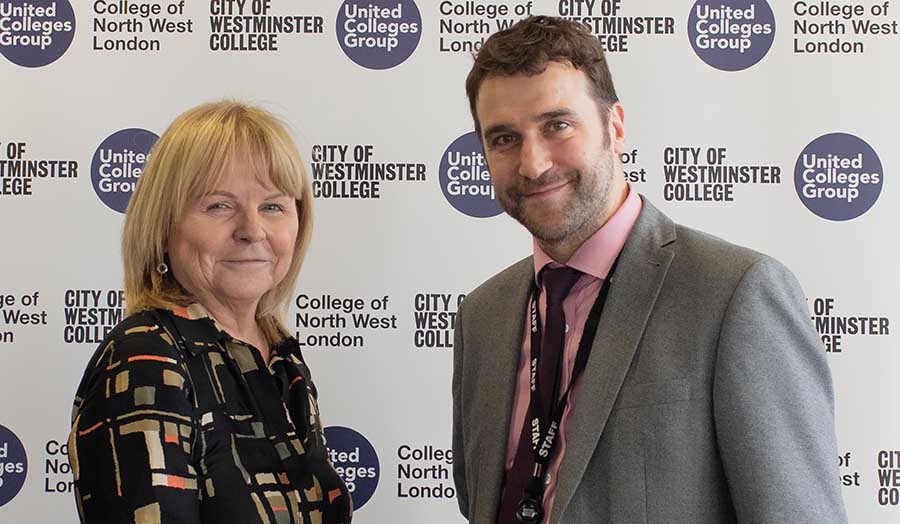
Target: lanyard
544, 424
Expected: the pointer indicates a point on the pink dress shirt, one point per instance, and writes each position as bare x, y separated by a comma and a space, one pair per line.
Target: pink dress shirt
594, 258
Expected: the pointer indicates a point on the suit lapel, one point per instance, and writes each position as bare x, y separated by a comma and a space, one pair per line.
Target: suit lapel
503, 343
641, 270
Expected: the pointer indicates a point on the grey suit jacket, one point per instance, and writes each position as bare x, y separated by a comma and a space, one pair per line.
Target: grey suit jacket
706, 399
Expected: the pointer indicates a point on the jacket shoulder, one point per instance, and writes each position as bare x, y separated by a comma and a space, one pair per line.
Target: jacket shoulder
712, 249
692, 248
502, 285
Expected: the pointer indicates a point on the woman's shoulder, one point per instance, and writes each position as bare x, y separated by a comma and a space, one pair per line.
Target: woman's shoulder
138, 351
142, 336
145, 328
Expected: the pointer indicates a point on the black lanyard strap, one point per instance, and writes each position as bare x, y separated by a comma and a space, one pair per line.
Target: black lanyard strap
544, 424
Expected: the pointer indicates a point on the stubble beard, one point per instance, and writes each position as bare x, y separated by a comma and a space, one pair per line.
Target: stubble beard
583, 214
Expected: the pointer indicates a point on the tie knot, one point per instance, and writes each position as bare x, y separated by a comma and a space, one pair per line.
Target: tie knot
558, 282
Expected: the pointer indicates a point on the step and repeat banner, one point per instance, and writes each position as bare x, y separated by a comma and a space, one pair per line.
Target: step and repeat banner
772, 124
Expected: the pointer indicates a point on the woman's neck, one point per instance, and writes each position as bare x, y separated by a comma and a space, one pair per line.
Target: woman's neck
240, 322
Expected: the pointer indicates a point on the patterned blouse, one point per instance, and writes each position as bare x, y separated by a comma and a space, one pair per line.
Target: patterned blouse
175, 421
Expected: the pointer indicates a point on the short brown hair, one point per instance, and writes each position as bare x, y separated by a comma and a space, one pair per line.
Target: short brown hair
527, 47
188, 160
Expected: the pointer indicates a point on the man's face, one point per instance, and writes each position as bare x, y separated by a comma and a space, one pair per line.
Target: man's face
553, 157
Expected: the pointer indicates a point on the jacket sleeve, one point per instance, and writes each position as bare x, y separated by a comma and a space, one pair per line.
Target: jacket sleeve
459, 466
131, 440
774, 405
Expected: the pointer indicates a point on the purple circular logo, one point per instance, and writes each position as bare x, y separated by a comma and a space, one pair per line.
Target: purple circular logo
14, 465
838, 176
731, 35
118, 164
356, 462
34, 33
465, 179
379, 34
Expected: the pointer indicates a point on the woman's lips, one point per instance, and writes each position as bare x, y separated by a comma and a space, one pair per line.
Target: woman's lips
246, 261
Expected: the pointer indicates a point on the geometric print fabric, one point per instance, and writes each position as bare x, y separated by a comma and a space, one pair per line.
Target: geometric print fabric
176, 421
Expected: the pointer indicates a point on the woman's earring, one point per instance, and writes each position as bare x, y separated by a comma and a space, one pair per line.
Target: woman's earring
162, 268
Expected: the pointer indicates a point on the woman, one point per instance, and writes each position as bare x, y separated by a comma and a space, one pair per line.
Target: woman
198, 408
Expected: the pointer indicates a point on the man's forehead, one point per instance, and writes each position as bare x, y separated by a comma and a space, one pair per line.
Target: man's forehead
551, 69
523, 95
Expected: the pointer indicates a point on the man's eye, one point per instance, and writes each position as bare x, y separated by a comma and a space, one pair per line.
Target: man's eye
558, 126
503, 140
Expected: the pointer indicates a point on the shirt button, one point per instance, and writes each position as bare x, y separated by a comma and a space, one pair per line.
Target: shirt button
547, 479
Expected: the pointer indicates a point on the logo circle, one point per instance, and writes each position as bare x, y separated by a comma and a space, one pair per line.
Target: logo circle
117, 165
465, 179
356, 462
838, 176
35, 33
733, 35
15, 465
379, 34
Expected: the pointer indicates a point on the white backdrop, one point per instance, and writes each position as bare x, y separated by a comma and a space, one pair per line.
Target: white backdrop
81, 79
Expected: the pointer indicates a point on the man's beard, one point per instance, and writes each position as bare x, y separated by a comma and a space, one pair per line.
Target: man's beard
583, 214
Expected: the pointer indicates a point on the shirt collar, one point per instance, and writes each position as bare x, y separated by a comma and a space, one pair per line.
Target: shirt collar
198, 328
194, 311
203, 331
597, 254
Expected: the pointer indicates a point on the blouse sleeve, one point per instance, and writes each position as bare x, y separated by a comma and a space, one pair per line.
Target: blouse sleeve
132, 434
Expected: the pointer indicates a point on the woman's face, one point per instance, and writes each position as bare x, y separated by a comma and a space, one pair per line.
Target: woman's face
236, 242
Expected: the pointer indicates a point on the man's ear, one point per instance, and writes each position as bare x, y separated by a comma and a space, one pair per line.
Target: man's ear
616, 127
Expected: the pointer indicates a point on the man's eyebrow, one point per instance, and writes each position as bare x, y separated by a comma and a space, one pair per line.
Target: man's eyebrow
547, 115
556, 113
497, 128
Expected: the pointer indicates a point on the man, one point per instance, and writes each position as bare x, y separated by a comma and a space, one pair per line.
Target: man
700, 393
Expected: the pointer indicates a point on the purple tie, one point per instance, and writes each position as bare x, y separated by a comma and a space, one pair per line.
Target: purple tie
557, 284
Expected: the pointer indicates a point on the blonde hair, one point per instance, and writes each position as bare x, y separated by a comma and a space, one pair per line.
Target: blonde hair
190, 159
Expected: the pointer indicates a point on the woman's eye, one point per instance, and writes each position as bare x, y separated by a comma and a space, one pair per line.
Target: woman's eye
273, 207
216, 206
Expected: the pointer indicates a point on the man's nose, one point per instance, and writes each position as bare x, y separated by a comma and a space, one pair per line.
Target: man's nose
534, 158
